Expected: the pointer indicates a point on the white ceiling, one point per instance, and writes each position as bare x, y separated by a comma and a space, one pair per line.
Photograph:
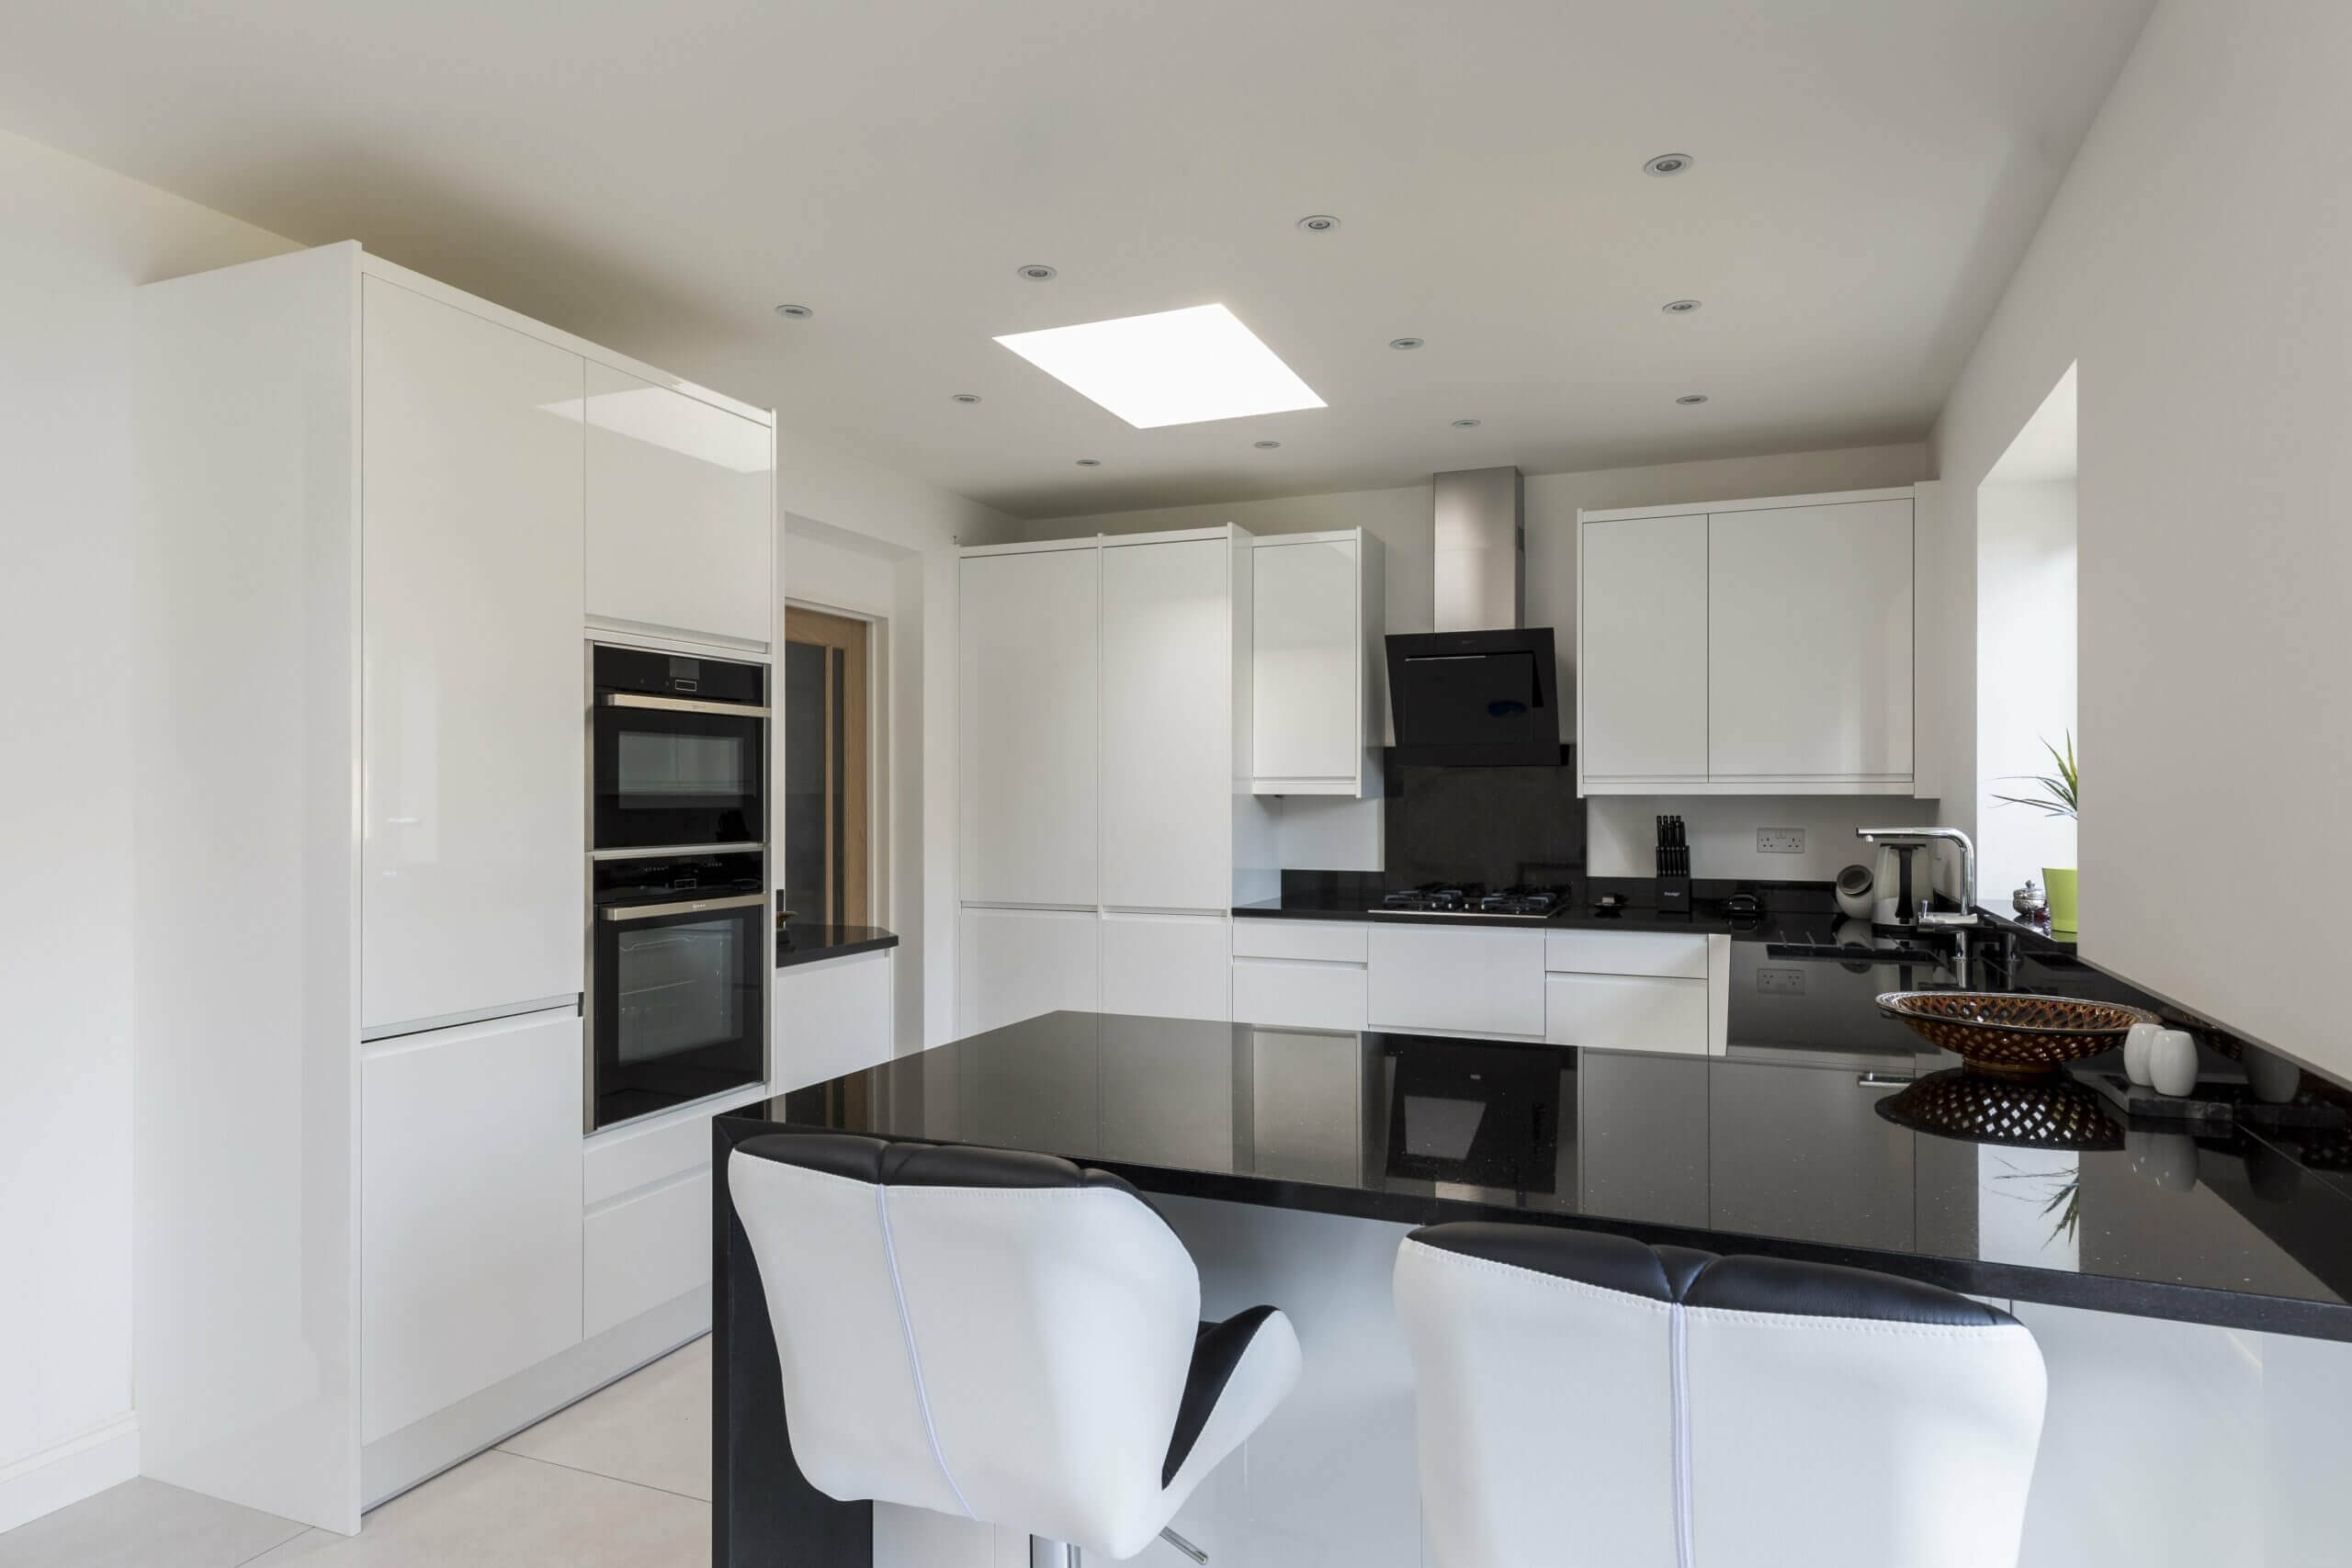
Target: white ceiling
657, 176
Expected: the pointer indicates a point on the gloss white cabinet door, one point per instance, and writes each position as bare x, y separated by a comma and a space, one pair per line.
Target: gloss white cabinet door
680, 513
1298, 994
1168, 965
1643, 635
1030, 753
1308, 676
1167, 797
472, 748
1809, 637
1015, 964
1457, 980
470, 1255
830, 1017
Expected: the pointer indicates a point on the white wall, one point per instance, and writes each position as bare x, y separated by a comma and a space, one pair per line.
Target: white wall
2193, 265
2025, 675
1621, 828
74, 242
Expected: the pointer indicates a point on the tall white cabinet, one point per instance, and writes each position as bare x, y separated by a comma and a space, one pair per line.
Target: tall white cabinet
1748, 648
376, 521
1104, 718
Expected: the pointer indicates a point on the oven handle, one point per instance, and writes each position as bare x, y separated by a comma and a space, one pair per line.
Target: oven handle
690, 907
683, 705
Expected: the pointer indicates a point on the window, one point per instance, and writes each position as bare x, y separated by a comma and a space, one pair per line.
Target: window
827, 768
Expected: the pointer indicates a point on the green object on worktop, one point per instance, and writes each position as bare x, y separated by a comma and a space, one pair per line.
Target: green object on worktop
2060, 881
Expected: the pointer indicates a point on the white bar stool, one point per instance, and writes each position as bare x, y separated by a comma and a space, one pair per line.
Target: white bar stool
997, 1334
1584, 1399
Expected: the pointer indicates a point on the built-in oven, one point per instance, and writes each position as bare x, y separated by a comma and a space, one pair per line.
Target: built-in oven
679, 751
678, 967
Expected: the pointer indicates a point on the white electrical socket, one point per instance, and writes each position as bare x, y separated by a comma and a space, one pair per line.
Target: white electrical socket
1780, 841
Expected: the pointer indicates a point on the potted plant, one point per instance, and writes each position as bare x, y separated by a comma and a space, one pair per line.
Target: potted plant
2058, 799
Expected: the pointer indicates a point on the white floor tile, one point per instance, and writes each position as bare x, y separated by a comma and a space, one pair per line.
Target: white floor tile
504, 1510
145, 1524
653, 1427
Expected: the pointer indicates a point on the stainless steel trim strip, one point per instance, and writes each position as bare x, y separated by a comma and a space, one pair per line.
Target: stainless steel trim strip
682, 705
663, 850
684, 907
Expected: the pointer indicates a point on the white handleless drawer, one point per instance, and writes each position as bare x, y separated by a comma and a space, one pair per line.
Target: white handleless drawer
1461, 979
1626, 1012
613, 1166
1276, 991
1309, 942
1666, 954
645, 1250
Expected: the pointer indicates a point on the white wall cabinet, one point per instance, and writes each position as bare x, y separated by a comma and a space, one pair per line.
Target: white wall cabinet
1031, 728
1315, 692
1168, 965
1456, 980
1759, 648
1016, 963
469, 1262
472, 742
830, 1017
680, 513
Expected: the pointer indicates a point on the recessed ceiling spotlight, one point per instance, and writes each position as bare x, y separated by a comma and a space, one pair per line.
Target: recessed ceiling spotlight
1666, 163
1680, 307
1467, 423
1267, 446
1037, 272
1090, 462
964, 398
1688, 398
796, 313
1318, 223
1404, 342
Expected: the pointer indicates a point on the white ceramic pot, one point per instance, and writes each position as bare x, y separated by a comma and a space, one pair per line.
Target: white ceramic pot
2172, 1063
2135, 1051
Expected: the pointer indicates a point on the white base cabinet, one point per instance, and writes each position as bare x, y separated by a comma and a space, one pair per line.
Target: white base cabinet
1016, 963
1168, 965
830, 1017
1448, 980
470, 1212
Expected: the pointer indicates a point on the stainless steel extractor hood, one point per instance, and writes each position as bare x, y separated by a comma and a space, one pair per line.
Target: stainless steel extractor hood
1482, 690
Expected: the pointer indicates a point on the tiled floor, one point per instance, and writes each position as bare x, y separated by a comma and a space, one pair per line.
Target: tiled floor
621, 1479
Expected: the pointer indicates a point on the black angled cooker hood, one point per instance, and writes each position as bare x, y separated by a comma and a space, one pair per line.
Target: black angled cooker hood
1486, 699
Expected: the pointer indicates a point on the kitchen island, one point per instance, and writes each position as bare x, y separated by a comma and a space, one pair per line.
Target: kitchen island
1291, 1161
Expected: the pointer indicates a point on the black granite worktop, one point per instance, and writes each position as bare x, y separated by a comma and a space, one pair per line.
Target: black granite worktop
1826, 1132
805, 942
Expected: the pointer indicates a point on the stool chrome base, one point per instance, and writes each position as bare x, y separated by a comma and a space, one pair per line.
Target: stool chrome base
1044, 1554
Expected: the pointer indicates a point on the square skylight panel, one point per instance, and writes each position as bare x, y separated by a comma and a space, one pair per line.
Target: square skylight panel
1169, 368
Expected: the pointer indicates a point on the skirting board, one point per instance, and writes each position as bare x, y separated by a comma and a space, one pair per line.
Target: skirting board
68, 1472
417, 1452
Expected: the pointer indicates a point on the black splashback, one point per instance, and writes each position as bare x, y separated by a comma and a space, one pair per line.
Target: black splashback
1498, 826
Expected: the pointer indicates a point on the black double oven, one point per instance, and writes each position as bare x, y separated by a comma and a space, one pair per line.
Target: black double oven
681, 943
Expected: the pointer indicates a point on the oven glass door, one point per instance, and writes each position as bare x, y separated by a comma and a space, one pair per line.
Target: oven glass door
677, 1012
678, 776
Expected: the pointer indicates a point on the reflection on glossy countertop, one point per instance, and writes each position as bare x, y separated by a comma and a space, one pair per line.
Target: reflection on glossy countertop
1779, 1146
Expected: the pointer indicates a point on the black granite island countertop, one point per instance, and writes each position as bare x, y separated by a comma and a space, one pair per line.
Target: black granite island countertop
807, 942
1801, 1142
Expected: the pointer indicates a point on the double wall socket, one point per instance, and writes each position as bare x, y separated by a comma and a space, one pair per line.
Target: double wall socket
1780, 841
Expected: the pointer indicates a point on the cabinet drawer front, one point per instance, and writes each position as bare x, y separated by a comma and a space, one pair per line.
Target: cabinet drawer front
611, 1166
1457, 982
645, 1250
1298, 996
1312, 941
1667, 954
1626, 1012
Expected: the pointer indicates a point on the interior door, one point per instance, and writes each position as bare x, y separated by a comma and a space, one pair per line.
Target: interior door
1809, 629
473, 751
828, 753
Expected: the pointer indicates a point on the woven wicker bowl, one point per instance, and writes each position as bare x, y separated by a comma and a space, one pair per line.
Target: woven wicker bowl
2002, 1032
2016, 1113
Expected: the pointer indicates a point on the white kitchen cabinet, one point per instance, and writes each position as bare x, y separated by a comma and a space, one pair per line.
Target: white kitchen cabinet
646, 1248
1809, 612
1168, 726
680, 513
470, 1256
1031, 729
1626, 1012
472, 748
830, 1017
1455, 980
1316, 705
1671, 953
1762, 648
1642, 662
1168, 965
1292, 994
1016, 963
